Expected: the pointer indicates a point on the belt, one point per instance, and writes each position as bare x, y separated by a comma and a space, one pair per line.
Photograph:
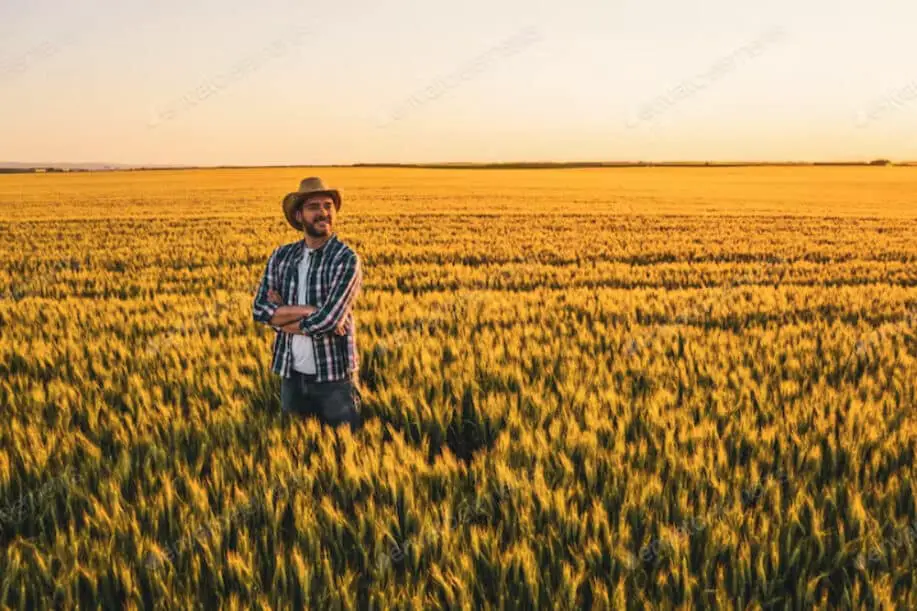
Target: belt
312, 378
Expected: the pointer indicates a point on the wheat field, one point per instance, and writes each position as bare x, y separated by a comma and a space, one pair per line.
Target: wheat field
598, 388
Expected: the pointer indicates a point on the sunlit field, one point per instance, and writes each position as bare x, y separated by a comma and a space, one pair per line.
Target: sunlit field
618, 388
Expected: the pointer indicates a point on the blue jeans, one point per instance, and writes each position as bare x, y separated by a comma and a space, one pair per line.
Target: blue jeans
333, 403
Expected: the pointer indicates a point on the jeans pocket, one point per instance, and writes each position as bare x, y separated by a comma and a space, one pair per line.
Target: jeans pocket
288, 391
335, 400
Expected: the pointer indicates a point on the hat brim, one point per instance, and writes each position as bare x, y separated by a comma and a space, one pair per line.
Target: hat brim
292, 200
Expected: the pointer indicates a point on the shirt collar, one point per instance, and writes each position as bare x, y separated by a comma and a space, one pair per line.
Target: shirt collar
304, 249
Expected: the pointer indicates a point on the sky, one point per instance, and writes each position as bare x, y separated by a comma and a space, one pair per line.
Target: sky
225, 82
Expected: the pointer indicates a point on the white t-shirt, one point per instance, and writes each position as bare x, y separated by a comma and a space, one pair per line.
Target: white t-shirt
303, 354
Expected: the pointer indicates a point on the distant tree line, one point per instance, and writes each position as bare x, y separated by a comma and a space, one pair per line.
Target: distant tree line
618, 164
37, 170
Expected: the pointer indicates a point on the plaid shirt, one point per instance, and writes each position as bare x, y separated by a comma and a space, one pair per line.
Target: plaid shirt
334, 280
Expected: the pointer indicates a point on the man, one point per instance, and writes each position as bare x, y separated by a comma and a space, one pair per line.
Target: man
319, 276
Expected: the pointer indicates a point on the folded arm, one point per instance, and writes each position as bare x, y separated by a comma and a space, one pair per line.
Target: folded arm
268, 308
345, 285
286, 314
286, 318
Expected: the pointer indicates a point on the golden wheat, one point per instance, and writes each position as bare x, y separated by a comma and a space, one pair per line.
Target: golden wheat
612, 388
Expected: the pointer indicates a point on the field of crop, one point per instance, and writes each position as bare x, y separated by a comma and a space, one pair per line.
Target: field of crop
618, 388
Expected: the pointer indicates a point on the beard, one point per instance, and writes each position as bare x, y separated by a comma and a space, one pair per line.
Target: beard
314, 231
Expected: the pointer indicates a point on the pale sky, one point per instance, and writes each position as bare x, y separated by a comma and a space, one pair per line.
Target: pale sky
283, 82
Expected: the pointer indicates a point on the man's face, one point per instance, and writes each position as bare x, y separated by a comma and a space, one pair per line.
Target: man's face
317, 215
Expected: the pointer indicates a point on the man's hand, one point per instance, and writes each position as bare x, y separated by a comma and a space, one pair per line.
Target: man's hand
293, 327
341, 329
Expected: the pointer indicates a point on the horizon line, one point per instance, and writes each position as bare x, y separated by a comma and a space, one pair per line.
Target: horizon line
12, 167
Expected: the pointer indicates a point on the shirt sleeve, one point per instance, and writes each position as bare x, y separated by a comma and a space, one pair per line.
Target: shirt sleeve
344, 289
262, 309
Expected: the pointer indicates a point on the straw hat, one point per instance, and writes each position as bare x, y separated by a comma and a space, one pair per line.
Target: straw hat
308, 186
